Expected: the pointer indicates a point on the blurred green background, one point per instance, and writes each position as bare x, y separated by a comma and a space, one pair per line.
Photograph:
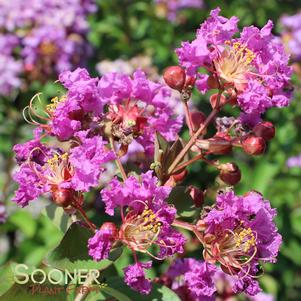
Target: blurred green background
123, 29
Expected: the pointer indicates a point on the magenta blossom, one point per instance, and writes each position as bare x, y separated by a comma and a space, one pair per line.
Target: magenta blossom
255, 65
135, 277
239, 233
148, 219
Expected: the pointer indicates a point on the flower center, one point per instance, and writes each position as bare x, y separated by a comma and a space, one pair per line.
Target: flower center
234, 64
58, 170
140, 231
233, 249
50, 108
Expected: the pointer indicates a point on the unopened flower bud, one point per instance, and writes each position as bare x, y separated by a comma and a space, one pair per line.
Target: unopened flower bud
189, 82
253, 145
230, 173
265, 129
197, 119
220, 144
214, 100
197, 195
110, 227
212, 82
174, 77
179, 177
63, 197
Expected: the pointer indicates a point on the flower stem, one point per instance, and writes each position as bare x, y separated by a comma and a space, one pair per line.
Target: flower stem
85, 217
117, 160
183, 225
188, 118
192, 140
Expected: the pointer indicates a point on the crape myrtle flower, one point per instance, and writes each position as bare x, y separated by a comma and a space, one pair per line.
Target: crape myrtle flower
63, 174
148, 217
134, 277
50, 37
239, 233
254, 66
170, 8
125, 108
146, 222
138, 108
294, 161
192, 279
10, 67
291, 34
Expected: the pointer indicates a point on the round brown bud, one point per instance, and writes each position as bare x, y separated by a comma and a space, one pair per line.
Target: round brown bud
110, 227
230, 173
213, 101
197, 195
197, 119
253, 145
212, 82
265, 129
174, 77
63, 197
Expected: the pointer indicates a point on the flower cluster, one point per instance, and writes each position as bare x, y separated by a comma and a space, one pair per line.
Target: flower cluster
239, 233
147, 223
291, 34
41, 38
197, 280
98, 121
93, 112
170, 8
252, 68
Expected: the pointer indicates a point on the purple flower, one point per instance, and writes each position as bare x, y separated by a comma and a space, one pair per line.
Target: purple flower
80, 105
135, 277
9, 78
173, 6
3, 214
32, 149
43, 38
87, 160
138, 108
240, 232
291, 34
148, 219
255, 64
100, 244
193, 279
134, 192
30, 184
294, 161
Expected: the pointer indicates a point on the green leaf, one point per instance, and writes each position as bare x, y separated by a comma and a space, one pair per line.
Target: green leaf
35, 292
182, 200
6, 278
158, 293
24, 221
58, 216
72, 252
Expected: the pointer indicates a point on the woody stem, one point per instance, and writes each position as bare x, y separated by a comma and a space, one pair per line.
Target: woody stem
195, 136
85, 217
